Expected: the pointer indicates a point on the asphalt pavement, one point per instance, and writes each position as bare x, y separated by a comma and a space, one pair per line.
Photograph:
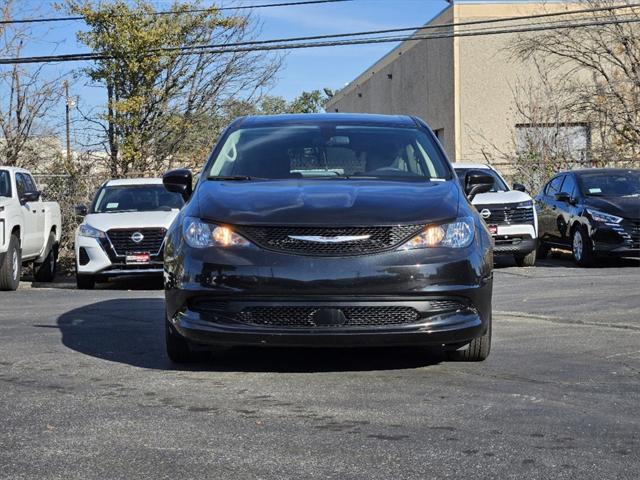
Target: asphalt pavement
86, 392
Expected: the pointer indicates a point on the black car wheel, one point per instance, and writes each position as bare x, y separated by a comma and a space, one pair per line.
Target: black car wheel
46, 271
528, 260
542, 252
477, 351
581, 247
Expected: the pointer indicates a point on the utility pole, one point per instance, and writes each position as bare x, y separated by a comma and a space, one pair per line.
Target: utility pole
67, 105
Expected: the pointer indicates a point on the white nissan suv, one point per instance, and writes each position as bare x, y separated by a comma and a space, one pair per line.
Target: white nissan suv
509, 213
123, 231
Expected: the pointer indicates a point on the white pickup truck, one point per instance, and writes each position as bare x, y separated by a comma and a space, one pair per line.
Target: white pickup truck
29, 229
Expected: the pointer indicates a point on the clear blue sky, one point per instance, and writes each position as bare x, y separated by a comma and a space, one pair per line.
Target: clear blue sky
304, 69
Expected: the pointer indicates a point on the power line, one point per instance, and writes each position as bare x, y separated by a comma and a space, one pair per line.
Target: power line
315, 2
180, 12
213, 49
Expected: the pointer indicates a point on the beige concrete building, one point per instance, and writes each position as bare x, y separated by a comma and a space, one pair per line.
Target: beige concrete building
462, 86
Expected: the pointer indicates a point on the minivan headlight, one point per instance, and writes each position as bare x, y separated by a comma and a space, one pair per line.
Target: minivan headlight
458, 234
85, 230
604, 217
199, 234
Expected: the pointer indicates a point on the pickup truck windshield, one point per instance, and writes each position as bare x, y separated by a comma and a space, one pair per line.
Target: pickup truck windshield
5, 184
136, 198
329, 152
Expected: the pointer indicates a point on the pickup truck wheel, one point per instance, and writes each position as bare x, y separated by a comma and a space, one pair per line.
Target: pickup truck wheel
477, 351
11, 266
85, 282
46, 271
528, 260
178, 349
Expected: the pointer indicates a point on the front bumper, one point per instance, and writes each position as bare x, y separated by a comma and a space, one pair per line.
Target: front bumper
92, 258
234, 280
619, 240
453, 327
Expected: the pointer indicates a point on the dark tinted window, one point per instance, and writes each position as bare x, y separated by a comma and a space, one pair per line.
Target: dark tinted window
329, 151
5, 184
498, 184
554, 185
136, 198
21, 184
611, 184
569, 185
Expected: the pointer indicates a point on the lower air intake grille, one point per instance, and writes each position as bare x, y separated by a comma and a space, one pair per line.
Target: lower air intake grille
334, 241
306, 317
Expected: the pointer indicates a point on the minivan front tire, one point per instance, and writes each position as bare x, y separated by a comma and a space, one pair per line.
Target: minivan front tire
478, 349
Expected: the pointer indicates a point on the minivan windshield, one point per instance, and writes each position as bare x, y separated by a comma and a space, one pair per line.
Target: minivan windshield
605, 184
498, 183
328, 152
136, 198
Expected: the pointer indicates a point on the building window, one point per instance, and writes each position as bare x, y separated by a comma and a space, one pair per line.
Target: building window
569, 140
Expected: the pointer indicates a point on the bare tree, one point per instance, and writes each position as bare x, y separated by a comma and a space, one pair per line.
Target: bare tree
599, 65
26, 99
162, 106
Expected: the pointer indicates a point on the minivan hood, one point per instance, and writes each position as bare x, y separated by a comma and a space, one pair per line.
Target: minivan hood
107, 221
327, 202
625, 207
501, 198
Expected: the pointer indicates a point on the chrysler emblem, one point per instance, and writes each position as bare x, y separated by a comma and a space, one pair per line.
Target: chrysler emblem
486, 213
334, 239
137, 237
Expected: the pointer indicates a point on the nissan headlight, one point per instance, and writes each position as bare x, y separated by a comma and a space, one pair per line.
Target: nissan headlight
199, 234
85, 230
458, 234
604, 217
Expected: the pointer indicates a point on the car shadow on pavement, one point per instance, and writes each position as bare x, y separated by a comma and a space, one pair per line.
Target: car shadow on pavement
131, 331
68, 282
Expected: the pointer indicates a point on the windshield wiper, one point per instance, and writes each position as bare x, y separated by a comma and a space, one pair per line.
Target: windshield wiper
230, 177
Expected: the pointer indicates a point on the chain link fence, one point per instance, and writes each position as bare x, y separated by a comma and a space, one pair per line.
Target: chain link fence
68, 191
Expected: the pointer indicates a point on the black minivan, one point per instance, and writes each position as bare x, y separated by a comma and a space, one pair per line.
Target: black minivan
328, 230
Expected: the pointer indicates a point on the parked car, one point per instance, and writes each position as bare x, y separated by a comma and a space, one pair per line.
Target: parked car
123, 231
509, 214
29, 229
328, 230
592, 212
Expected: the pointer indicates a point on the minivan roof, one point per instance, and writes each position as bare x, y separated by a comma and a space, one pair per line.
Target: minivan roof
328, 118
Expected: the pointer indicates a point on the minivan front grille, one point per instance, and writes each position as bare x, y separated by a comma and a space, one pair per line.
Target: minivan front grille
330, 241
124, 244
507, 214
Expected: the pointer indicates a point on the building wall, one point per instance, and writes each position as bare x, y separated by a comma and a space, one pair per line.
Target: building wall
462, 85
414, 79
486, 75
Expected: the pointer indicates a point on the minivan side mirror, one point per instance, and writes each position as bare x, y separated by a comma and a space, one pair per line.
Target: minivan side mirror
519, 187
476, 182
179, 181
81, 210
29, 197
